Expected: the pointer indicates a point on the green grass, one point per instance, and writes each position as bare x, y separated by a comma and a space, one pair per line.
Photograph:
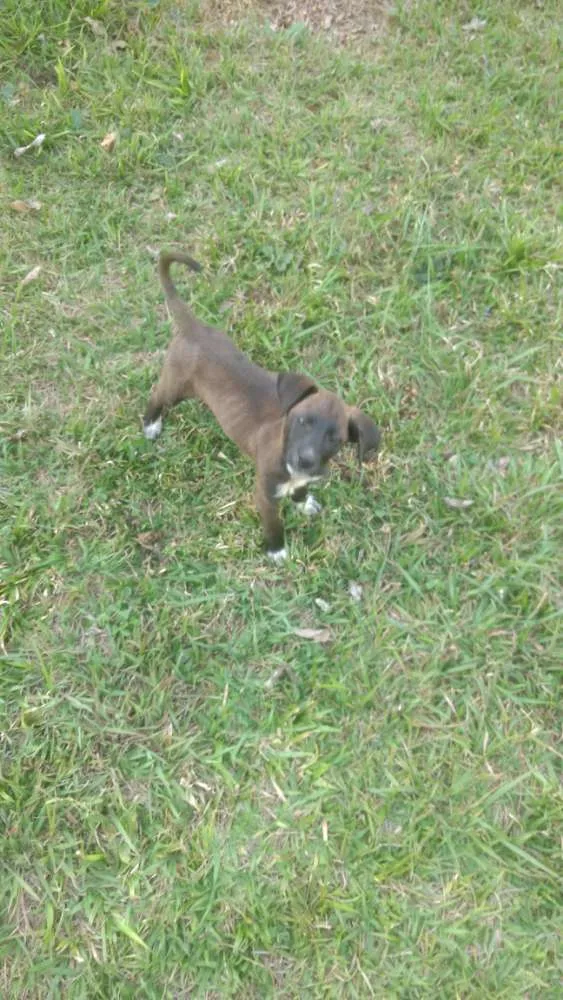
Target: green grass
385, 819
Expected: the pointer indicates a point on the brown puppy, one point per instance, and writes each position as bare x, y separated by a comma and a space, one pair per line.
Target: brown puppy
285, 423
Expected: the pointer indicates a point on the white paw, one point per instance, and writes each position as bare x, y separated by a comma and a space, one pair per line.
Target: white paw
310, 506
279, 556
153, 430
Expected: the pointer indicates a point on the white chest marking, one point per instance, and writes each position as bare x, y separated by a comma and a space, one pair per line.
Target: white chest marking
294, 483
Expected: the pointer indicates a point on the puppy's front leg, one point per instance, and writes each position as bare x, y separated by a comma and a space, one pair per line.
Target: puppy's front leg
272, 523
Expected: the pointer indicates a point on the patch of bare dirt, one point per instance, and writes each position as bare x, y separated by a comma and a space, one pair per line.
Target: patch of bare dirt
343, 22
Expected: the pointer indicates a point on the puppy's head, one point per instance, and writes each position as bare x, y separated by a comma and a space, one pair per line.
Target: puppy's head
318, 423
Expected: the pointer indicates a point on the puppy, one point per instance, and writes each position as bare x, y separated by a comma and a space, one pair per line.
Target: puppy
287, 424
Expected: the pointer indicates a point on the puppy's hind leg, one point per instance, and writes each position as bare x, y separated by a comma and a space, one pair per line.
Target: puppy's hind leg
166, 394
152, 420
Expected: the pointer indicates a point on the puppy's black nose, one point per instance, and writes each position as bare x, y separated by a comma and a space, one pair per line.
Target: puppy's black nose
307, 459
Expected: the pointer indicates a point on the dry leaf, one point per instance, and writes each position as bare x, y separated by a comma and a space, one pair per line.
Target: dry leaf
201, 784
278, 790
109, 141
475, 24
324, 828
356, 591
96, 26
192, 801
501, 465
415, 535
119, 45
38, 141
148, 539
31, 275
457, 504
284, 670
315, 634
322, 604
29, 205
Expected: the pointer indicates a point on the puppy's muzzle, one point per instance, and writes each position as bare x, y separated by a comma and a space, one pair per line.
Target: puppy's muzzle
308, 460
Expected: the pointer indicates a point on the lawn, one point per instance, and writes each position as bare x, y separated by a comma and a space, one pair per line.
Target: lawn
196, 800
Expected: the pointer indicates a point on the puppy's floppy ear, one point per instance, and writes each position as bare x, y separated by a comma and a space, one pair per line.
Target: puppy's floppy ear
363, 432
292, 388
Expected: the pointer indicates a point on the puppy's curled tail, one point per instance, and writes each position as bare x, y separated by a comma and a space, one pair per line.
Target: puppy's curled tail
164, 262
